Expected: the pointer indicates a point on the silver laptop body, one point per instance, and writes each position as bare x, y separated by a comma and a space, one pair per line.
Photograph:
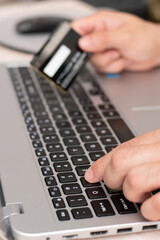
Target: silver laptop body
27, 209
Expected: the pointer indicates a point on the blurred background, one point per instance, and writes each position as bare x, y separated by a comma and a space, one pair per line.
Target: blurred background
138, 7
26, 28
147, 9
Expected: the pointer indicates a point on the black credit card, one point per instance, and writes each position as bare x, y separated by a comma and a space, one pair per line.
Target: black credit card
60, 59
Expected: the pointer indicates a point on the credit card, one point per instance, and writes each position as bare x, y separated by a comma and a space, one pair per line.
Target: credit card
60, 58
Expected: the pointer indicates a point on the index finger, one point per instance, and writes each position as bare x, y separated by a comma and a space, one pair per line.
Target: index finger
89, 24
96, 172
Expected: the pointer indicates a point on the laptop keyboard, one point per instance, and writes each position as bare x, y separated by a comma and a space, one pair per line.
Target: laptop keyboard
68, 133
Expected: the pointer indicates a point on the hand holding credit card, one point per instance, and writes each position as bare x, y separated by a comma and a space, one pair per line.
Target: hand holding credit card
60, 58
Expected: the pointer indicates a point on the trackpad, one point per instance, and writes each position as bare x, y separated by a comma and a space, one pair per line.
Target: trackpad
145, 118
137, 97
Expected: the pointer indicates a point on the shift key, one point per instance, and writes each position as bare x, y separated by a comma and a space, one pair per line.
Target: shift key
121, 129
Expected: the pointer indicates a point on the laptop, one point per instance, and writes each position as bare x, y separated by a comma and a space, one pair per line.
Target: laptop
50, 138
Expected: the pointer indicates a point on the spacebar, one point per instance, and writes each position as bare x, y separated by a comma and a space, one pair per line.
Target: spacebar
121, 129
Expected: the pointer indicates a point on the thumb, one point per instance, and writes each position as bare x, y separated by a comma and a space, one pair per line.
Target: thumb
96, 172
103, 40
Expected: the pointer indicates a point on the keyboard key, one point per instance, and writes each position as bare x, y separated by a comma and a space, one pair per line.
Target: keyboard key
84, 101
36, 103
94, 91
89, 109
122, 205
93, 116
63, 124
34, 135
47, 171
82, 169
54, 191
76, 150
20, 94
40, 152
67, 177
26, 113
87, 184
96, 87
71, 141
75, 114
46, 88
43, 161
94, 193
31, 127
71, 106
34, 100
31, 91
98, 124
41, 114
58, 202
103, 132
102, 208
56, 109
47, 130
94, 146
109, 141
67, 133
112, 191
96, 155
54, 147
68, 99
59, 116
104, 98
51, 103
49, 96
63, 215
106, 106
50, 181
51, 138
44, 122
81, 213
121, 129
37, 143
88, 137
28, 120
79, 121
111, 114
79, 160
58, 156
62, 166
23, 106
79, 91
84, 129
76, 201
72, 188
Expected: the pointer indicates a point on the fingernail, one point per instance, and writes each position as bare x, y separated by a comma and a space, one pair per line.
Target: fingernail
89, 175
85, 42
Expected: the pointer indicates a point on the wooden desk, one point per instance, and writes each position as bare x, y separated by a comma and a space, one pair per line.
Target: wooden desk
8, 55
